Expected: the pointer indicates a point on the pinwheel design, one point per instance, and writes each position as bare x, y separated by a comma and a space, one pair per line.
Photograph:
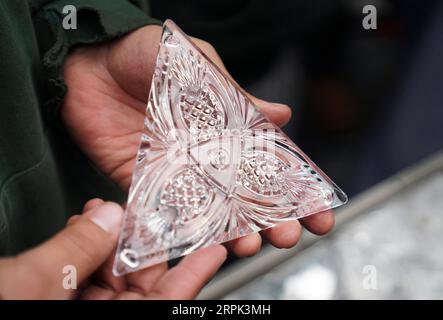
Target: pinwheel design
210, 167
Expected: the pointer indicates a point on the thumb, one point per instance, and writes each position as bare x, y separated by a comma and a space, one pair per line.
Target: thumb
83, 246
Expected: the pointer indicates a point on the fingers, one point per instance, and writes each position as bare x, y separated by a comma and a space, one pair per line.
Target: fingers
211, 53
319, 223
91, 204
84, 245
186, 279
246, 246
73, 219
142, 281
104, 277
278, 113
283, 235
96, 292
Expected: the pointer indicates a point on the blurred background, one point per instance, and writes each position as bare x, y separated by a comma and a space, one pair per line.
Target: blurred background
367, 104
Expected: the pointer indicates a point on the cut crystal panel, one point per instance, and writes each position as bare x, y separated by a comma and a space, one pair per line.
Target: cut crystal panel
210, 167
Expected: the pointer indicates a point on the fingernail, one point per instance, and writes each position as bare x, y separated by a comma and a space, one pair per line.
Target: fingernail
97, 203
107, 216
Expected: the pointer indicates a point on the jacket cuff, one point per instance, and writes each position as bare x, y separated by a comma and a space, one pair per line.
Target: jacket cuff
97, 21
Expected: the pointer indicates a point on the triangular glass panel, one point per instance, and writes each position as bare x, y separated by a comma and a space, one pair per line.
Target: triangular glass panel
210, 167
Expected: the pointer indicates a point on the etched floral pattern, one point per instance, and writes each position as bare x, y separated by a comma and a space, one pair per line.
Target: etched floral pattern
188, 193
210, 167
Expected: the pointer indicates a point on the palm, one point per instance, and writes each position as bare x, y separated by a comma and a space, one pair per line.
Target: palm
104, 120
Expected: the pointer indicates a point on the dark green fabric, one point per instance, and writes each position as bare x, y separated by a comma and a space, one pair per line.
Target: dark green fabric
44, 178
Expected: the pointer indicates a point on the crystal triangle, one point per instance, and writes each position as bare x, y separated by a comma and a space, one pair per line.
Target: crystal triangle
210, 167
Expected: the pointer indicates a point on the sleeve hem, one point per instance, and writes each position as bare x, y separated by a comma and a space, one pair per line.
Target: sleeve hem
97, 21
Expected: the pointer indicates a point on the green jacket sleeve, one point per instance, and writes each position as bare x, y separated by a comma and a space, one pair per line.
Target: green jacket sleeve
97, 21
44, 177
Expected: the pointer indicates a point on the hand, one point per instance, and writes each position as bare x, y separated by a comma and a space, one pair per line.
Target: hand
104, 111
87, 243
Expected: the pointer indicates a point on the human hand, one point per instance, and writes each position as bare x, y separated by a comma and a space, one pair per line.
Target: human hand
87, 243
104, 109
